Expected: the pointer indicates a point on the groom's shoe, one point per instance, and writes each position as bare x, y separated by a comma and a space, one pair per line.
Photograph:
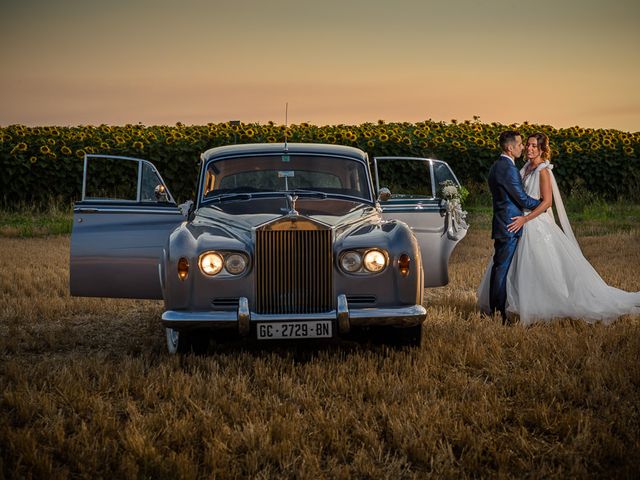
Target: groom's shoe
509, 319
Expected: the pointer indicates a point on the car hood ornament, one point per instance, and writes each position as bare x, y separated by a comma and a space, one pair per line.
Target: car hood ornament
292, 199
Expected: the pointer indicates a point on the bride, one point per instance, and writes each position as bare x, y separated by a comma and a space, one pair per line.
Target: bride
549, 277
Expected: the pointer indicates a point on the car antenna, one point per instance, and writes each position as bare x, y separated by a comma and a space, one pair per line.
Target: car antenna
286, 125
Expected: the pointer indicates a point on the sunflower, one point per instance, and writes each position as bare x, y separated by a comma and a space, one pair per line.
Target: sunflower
628, 150
384, 137
33, 159
371, 143
45, 150
138, 145
439, 139
569, 150
80, 153
66, 150
21, 147
479, 141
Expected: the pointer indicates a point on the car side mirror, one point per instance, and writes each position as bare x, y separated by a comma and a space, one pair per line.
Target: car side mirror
161, 193
384, 194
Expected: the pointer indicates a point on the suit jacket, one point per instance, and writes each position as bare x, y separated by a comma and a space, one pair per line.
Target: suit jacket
509, 197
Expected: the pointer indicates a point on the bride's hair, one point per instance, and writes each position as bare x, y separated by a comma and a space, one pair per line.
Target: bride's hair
543, 145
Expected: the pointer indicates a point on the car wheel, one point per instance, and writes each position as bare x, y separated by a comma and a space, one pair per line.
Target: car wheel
186, 342
408, 336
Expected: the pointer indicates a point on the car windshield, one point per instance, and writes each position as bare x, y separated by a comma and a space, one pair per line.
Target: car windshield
303, 174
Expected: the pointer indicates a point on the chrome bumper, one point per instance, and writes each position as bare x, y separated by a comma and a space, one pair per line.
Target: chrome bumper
345, 317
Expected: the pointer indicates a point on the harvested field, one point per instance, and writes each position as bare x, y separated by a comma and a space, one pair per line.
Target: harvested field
88, 390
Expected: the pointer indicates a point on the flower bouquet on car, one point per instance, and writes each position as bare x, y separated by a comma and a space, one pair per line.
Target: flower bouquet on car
452, 197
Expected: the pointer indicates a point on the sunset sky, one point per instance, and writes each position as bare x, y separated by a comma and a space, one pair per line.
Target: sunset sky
557, 62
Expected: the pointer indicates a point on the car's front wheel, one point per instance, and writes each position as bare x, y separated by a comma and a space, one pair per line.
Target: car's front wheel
185, 341
408, 336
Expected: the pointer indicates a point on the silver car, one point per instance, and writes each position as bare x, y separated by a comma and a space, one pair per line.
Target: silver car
283, 241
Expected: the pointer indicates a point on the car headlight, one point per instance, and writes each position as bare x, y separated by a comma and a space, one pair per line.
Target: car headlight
235, 263
374, 261
211, 263
351, 261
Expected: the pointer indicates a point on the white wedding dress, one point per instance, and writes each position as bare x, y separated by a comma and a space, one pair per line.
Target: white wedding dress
549, 276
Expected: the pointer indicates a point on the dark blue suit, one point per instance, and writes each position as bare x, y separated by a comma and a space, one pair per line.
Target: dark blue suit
509, 199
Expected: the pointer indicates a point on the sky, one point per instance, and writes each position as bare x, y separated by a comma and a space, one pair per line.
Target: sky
158, 62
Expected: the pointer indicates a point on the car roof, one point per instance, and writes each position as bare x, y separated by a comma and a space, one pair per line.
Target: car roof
281, 148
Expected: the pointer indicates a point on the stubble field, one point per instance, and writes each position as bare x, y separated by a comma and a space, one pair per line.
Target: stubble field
88, 390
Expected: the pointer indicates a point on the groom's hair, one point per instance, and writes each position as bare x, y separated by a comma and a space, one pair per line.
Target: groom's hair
508, 138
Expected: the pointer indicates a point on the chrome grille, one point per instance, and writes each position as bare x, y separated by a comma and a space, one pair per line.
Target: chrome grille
293, 271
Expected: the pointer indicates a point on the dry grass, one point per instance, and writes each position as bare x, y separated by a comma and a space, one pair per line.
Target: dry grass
88, 391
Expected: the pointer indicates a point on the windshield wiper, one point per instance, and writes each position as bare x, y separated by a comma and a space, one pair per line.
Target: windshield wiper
230, 197
306, 193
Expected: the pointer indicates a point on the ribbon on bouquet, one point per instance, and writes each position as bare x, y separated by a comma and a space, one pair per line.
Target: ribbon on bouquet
455, 219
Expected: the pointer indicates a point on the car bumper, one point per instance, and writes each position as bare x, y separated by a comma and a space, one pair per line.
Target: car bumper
346, 317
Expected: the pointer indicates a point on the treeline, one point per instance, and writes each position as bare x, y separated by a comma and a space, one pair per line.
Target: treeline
40, 163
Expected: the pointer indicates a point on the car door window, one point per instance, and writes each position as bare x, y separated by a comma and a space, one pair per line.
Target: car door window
405, 178
123, 179
149, 182
111, 179
441, 173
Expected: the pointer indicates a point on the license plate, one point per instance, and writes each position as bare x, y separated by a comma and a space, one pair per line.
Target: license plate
286, 330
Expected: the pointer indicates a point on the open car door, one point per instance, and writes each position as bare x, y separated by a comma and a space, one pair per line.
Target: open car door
120, 228
416, 200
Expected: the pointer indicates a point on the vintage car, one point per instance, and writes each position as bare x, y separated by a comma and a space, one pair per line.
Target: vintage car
283, 241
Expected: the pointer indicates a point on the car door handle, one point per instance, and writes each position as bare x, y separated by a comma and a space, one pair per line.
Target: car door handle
86, 210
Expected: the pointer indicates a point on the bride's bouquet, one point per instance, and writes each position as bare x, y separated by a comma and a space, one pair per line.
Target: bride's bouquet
452, 197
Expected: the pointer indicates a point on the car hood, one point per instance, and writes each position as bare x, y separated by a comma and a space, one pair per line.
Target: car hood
213, 221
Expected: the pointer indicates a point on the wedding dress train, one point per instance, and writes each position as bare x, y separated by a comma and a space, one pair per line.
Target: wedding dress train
550, 277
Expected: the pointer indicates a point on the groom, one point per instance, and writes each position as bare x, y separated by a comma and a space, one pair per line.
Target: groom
509, 199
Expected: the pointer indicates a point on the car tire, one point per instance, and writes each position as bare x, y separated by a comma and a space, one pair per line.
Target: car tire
186, 342
408, 336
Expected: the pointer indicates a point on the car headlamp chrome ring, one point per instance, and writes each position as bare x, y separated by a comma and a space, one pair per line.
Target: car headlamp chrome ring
211, 263
374, 261
235, 263
351, 261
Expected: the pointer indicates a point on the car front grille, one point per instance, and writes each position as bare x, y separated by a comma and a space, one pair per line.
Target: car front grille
293, 271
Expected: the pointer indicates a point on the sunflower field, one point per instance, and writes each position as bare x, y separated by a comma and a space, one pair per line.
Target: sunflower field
43, 163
